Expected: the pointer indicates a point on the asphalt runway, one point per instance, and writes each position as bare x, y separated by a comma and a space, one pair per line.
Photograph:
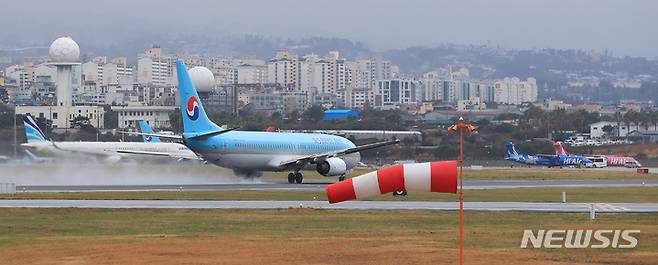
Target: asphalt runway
353, 205
473, 184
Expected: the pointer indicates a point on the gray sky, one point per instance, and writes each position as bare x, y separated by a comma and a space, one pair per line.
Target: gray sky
627, 27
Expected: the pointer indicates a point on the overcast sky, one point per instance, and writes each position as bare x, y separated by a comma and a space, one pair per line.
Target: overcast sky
627, 27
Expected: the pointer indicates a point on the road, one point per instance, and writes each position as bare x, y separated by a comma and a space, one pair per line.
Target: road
468, 184
353, 205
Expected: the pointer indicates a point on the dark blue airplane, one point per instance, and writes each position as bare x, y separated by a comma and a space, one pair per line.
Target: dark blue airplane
545, 160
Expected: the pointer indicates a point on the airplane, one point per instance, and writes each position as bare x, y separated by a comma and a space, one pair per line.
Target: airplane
545, 160
611, 160
145, 128
111, 151
249, 153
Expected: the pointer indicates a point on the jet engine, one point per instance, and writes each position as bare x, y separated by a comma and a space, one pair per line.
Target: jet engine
333, 166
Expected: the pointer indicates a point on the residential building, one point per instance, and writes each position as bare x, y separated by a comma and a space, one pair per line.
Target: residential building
154, 67
513, 91
394, 92
283, 70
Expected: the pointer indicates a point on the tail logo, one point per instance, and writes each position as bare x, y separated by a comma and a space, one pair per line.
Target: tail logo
148, 138
193, 108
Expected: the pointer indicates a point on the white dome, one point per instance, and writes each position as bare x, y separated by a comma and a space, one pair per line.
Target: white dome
202, 78
64, 50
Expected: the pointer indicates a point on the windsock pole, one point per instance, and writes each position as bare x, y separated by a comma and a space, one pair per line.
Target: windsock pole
461, 125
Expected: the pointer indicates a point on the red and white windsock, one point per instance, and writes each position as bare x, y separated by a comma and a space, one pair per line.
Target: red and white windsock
426, 177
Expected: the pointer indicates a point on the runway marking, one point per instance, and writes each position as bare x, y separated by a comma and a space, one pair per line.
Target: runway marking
354, 205
605, 207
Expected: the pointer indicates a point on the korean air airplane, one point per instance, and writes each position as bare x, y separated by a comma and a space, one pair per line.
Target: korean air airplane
248, 153
545, 160
145, 128
111, 151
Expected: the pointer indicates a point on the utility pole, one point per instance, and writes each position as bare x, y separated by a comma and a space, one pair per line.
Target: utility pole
460, 126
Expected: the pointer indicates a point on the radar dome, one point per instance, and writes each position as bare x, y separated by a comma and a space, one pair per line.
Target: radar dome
202, 78
64, 50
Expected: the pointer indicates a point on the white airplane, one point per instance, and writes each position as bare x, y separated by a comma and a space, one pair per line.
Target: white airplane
111, 151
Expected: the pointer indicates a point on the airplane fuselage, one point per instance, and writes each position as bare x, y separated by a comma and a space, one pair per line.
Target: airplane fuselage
550, 160
265, 151
119, 149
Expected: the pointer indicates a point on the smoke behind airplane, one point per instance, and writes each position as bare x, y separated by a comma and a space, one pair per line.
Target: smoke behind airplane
122, 173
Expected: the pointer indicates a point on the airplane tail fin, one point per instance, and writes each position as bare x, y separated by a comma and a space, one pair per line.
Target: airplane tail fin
511, 150
32, 132
145, 128
195, 120
559, 149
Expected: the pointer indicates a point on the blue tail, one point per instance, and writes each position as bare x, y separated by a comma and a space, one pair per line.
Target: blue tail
145, 128
195, 120
511, 150
32, 132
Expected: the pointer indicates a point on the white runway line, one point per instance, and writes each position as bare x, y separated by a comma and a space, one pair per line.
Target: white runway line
352, 205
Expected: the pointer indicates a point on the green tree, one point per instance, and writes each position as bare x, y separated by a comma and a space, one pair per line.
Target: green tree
608, 129
110, 119
315, 113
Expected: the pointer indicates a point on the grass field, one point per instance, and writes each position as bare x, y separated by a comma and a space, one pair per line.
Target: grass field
534, 173
300, 236
622, 194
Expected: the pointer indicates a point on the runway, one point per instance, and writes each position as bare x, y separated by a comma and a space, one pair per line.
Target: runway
468, 184
353, 205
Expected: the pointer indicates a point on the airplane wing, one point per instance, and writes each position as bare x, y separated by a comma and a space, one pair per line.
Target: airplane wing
322, 156
169, 136
164, 154
180, 137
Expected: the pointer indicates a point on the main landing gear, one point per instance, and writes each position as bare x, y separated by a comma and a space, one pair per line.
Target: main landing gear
341, 178
295, 177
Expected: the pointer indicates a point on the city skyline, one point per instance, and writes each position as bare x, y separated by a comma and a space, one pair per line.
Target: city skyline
585, 24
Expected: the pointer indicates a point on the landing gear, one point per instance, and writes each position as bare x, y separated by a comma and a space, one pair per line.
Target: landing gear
299, 178
291, 178
341, 178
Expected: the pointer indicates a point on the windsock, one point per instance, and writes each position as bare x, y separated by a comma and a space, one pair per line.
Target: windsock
426, 177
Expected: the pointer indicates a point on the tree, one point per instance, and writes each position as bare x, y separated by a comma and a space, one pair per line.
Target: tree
608, 129
175, 121
315, 113
110, 119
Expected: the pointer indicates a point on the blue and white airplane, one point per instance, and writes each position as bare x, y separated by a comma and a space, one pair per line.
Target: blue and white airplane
145, 128
545, 160
248, 153
110, 151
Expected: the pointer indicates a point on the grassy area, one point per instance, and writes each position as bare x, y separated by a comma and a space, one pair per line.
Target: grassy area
301, 236
535, 173
554, 173
621, 194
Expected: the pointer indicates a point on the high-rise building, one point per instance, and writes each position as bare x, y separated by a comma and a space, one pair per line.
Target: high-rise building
372, 70
155, 68
104, 73
398, 91
325, 75
252, 74
283, 70
513, 91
